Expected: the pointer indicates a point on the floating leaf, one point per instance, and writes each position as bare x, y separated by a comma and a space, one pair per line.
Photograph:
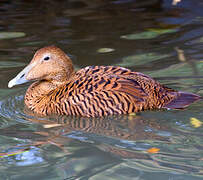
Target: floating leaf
162, 31
153, 150
177, 70
140, 59
32, 43
142, 35
105, 50
149, 34
195, 122
8, 64
11, 35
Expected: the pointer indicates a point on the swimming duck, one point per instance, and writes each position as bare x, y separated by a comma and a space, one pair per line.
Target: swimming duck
92, 91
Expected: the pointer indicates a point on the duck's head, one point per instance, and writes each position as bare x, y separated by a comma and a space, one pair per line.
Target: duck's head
49, 64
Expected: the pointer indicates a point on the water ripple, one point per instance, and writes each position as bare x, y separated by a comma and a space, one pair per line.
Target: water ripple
12, 107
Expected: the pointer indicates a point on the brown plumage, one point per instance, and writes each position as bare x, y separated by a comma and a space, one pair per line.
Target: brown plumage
92, 91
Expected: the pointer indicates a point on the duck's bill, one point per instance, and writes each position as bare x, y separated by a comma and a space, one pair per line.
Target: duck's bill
20, 78
16, 81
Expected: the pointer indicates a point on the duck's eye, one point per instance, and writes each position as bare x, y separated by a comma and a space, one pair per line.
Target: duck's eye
46, 58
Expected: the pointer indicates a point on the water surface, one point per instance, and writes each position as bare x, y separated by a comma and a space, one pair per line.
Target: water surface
152, 37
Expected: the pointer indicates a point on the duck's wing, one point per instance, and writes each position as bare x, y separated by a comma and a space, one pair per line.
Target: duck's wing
100, 92
113, 80
119, 79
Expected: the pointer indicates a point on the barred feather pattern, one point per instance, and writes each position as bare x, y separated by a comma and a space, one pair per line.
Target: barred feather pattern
99, 91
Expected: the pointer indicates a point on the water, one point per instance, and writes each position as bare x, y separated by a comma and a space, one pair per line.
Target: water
144, 36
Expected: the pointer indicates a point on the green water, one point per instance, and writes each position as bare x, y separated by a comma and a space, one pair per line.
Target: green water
152, 37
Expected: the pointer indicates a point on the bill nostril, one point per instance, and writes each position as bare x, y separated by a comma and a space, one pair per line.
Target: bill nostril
22, 75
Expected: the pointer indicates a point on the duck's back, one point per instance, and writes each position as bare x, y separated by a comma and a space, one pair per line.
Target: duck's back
107, 90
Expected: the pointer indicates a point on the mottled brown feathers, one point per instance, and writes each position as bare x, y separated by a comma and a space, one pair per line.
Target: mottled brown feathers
94, 90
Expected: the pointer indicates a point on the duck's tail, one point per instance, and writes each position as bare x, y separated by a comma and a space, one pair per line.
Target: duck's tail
183, 100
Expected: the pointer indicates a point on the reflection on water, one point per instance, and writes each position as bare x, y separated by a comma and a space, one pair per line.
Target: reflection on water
154, 37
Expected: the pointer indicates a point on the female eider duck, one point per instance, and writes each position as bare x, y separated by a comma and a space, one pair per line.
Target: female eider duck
92, 91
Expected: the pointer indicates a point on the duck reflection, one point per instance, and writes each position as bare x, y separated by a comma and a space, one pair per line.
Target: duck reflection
107, 131
124, 137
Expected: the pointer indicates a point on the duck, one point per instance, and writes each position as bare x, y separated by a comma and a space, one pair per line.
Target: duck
93, 91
